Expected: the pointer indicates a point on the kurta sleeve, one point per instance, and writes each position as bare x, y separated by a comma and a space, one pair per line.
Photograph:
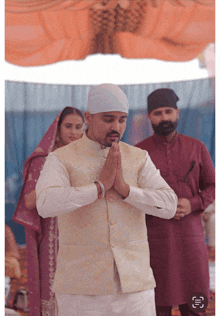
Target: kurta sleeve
153, 195
54, 194
206, 183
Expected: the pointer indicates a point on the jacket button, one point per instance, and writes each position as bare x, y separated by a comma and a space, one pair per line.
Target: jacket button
111, 223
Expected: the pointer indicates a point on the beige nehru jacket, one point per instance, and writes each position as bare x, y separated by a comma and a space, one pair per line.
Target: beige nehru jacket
93, 234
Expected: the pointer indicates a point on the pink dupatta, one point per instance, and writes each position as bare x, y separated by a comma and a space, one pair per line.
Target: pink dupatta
41, 234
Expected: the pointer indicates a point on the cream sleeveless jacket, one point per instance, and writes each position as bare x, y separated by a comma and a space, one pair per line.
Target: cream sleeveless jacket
94, 236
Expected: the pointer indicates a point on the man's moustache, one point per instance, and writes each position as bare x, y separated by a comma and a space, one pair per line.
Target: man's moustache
167, 123
113, 134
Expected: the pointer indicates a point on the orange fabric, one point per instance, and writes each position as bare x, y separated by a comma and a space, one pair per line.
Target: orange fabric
12, 266
171, 32
24, 6
11, 248
40, 32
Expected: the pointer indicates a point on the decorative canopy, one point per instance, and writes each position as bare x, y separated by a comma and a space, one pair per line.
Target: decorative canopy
41, 32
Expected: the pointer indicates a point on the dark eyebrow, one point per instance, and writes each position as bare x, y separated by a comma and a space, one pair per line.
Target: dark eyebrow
111, 116
107, 115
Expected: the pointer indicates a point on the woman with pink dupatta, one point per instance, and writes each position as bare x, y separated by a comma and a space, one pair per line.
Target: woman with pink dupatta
42, 233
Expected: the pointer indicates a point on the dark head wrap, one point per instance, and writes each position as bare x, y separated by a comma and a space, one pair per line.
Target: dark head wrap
162, 98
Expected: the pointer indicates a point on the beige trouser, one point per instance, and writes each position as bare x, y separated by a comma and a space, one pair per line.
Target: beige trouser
132, 304
120, 304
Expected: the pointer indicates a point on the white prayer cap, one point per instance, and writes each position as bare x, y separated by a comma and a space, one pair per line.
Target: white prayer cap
107, 98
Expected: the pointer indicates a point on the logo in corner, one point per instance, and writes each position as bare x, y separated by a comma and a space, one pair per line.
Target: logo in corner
198, 302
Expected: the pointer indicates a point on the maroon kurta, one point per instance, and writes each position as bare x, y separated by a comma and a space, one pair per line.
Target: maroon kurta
178, 252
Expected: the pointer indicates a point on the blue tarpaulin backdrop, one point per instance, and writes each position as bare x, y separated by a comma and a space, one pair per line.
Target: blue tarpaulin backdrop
30, 109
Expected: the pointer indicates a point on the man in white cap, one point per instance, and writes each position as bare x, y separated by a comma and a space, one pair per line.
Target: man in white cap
101, 188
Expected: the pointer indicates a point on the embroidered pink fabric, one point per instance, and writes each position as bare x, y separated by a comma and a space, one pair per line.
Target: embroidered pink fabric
41, 233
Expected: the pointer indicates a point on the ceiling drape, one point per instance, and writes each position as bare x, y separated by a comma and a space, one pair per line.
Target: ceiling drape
41, 32
24, 6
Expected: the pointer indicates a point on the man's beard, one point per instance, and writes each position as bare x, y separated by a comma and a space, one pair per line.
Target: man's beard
109, 144
165, 128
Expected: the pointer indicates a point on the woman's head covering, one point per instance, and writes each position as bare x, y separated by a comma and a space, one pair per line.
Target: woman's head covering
162, 98
31, 173
107, 98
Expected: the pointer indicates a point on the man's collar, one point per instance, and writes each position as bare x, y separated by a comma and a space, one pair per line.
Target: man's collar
94, 145
162, 140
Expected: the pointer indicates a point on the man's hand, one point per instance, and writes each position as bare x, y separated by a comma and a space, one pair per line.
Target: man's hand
183, 208
108, 173
119, 183
206, 216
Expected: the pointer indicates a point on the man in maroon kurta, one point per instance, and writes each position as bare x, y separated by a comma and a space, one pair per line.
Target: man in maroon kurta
178, 252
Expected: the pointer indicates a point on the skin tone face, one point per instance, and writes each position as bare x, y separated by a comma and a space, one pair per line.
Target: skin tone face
70, 129
164, 114
106, 127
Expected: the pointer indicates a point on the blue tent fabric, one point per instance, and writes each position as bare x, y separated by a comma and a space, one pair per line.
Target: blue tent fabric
30, 108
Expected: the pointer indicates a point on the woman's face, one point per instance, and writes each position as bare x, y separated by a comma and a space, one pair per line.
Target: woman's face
70, 129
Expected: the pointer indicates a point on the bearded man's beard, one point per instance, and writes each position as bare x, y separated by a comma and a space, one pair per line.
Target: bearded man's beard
165, 128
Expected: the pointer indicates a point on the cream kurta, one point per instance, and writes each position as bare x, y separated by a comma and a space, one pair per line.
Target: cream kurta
93, 234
